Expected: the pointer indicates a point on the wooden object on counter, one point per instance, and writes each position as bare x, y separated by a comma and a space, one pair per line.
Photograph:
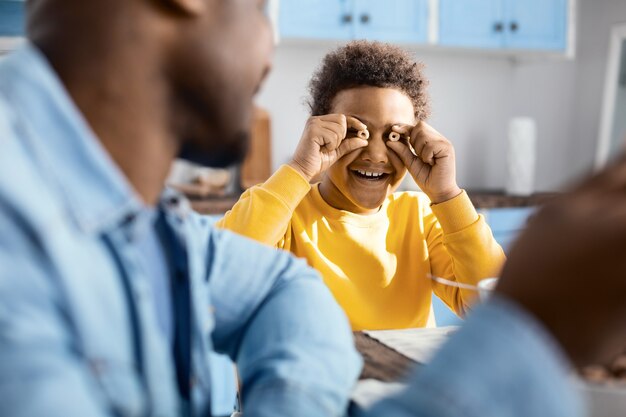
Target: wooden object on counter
257, 167
498, 199
380, 361
214, 205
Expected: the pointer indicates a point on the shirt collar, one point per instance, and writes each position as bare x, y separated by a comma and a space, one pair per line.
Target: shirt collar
97, 194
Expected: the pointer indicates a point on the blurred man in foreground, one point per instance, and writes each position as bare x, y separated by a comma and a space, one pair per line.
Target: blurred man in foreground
113, 293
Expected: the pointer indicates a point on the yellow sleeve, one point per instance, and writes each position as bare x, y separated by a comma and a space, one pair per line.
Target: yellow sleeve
461, 248
264, 212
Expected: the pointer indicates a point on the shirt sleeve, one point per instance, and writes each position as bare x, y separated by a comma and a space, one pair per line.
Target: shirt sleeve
461, 247
279, 322
500, 363
264, 212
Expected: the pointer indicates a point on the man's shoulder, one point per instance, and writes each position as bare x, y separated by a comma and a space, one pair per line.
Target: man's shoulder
230, 253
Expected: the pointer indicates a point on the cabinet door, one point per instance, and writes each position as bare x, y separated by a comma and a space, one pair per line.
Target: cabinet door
316, 19
11, 18
391, 20
537, 24
507, 223
471, 23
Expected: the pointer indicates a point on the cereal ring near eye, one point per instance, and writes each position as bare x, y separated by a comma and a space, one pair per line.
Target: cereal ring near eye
394, 136
363, 134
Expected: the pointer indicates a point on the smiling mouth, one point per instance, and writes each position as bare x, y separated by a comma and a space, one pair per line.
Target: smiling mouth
369, 175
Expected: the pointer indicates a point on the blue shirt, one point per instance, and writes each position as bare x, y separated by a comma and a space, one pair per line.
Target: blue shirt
154, 260
79, 333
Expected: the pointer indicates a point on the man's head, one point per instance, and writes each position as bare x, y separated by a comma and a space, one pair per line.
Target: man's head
382, 86
203, 59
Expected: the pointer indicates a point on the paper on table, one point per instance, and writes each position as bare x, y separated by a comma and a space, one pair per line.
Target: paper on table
417, 344
368, 391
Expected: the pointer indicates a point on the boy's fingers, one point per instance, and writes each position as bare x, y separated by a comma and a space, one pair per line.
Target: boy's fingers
433, 150
335, 121
355, 123
356, 129
423, 132
349, 145
426, 140
340, 131
404, 130
427, 154
403, 152
330, 138
418, 139
333, 117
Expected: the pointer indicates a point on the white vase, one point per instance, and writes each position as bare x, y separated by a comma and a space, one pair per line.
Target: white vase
521, 156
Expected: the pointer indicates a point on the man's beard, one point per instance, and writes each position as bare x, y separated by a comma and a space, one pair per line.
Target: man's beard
216, 153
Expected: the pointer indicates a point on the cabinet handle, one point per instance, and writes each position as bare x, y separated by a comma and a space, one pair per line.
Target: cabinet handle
498, 27
514, 26
346, 18
365, 18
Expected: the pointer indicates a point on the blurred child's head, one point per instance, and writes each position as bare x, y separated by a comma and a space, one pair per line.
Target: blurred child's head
381, 85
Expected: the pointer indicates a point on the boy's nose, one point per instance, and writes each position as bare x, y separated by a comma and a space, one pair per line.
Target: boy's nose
376, 150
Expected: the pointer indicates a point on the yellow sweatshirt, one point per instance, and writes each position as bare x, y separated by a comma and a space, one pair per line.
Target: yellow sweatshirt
377, 266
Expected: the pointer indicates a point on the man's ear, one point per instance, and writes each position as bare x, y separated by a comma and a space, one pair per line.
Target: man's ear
188, 7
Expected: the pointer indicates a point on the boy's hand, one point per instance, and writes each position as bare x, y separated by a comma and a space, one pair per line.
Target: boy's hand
326, 139
432, 166
569, 267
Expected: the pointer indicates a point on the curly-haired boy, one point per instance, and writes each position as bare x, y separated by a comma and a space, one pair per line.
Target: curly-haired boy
376, 249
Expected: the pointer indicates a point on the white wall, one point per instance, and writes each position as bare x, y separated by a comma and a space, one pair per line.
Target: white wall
566, 97
474, 96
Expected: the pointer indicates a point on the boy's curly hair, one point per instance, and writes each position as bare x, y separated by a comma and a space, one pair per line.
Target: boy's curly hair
364, 63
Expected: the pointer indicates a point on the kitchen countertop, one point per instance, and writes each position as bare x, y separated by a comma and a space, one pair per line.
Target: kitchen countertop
482, 199
487, 199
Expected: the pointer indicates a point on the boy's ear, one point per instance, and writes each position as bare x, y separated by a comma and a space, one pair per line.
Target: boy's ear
188, 7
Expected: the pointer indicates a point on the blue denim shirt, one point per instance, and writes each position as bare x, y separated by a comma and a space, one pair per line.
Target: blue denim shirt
78, 330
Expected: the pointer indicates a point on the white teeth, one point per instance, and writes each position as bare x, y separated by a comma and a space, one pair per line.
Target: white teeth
370, 174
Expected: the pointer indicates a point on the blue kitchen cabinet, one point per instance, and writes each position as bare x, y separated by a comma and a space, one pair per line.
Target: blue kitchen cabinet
389, 21
471, 23
11, 18
507, 223
517, 24
537, 24
316, 19
443, 315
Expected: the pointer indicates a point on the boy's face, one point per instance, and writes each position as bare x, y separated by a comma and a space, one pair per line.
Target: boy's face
344, 186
